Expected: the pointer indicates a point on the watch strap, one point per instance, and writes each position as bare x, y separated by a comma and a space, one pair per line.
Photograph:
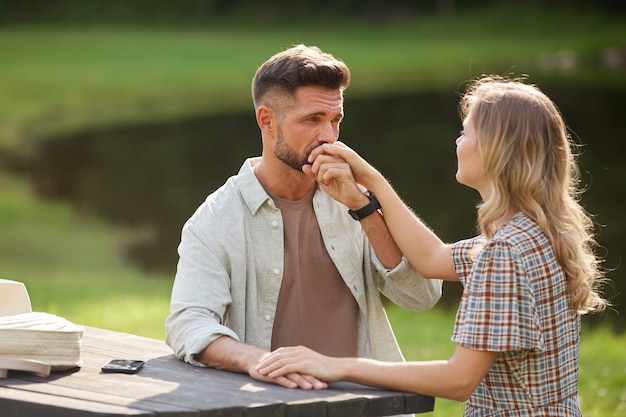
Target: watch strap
363, 212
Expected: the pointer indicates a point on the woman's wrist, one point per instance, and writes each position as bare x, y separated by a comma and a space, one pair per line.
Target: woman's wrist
375, 181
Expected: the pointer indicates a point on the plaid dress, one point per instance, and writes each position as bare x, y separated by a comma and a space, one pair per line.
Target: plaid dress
515, 302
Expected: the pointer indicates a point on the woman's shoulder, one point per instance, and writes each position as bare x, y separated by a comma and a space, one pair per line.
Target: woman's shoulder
519, 228
520, 237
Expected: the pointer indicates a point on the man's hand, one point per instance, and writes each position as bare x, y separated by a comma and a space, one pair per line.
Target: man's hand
338, 169
290, 380
335, 177
284, 361
232, 355
361, 170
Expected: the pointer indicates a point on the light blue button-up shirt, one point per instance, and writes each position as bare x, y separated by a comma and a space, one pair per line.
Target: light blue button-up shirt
231, 265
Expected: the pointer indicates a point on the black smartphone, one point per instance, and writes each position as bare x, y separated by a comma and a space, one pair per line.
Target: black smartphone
124, 366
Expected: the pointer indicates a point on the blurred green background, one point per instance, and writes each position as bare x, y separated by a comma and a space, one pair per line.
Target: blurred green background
117, 118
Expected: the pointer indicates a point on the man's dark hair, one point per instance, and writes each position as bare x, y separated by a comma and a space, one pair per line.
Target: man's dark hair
296, 67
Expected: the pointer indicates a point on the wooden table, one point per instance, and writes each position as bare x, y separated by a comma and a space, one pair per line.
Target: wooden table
166, 386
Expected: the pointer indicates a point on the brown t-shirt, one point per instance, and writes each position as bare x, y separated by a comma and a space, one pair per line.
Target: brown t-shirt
315, 307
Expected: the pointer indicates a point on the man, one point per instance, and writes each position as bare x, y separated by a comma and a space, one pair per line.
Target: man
273, 259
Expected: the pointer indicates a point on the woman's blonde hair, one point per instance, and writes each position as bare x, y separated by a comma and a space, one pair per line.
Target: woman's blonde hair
530, 166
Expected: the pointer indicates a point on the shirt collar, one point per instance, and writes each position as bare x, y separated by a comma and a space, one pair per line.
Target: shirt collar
253, 193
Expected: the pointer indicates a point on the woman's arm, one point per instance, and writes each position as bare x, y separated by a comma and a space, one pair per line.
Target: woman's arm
422, 247
454, 379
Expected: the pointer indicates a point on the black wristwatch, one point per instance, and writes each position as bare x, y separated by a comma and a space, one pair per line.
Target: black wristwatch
371, 207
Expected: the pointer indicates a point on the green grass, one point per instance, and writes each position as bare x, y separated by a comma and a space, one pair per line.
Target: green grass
72, 266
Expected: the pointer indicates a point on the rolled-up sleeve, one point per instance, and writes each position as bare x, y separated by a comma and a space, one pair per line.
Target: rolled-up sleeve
406, 287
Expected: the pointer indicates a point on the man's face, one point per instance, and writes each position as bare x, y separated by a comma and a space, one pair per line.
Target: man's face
312, 120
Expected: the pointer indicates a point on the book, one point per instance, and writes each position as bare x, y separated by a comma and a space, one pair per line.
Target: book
26, 365
31, 340
42, 337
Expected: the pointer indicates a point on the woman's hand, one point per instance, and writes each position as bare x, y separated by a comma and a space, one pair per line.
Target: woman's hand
339, 171
290, 380
288, 360
325, 165
232, 355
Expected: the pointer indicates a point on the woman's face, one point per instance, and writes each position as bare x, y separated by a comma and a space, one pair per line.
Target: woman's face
469, 161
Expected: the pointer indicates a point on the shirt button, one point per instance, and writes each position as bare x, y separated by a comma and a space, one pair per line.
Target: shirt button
275, 223
276, 271
268, 318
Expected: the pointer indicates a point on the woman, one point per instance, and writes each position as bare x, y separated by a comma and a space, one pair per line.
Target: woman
527, 277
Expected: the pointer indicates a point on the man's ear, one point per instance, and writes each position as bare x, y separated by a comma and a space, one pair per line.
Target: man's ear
265, 119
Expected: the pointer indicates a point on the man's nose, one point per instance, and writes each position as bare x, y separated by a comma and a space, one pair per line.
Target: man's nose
329, 133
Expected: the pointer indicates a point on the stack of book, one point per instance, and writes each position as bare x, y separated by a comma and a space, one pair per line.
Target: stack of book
34, 341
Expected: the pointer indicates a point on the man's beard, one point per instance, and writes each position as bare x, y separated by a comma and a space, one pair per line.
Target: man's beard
288, 155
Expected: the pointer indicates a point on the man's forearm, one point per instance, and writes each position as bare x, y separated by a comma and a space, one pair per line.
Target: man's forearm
381, 240
229, 354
